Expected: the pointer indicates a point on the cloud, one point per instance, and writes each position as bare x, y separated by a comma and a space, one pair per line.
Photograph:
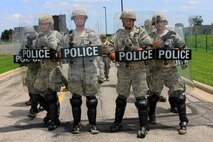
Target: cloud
166, 1
91, 1
56, 5
193, 2
186, 7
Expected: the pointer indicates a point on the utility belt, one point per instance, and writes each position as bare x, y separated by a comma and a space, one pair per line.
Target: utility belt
132, 66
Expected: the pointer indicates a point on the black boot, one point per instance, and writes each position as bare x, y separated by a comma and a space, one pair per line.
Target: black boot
181, 106
142, 105
153, 99
53, 103
76, 103
121, 102
173, 105
34, 104
92, 103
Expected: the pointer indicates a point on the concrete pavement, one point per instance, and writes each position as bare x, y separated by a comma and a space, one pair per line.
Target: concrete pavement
15, 126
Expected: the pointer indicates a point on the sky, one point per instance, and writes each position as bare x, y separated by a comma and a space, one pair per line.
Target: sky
13, 13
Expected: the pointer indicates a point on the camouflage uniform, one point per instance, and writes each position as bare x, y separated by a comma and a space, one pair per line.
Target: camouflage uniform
150, 30
105, 55
32, 70
131, 74
82, 74
165, 73
48, 79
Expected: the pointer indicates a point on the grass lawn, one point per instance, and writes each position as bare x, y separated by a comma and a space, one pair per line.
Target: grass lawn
202, 66
6, 63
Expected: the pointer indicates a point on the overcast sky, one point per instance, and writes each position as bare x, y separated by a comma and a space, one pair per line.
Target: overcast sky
177, 11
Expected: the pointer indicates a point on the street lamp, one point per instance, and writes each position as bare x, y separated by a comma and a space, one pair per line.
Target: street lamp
105, 19
122, 8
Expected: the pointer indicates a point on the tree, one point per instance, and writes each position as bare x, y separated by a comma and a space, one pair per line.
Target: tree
6, 34
195, 20
179, 25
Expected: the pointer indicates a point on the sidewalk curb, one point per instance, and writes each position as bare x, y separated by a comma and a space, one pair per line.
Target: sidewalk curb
199, 85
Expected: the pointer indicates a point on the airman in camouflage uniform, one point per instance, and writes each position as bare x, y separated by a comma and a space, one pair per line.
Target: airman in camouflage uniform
105, 55
165, 73
82, 73
32, 70
150, 30
131, 74
48, 79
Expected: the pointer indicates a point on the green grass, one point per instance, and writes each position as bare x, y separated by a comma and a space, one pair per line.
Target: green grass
6, 63
202, 66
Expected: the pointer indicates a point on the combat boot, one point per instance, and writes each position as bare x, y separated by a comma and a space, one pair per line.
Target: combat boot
76, 103
183, 130
119, 112
53, 125
76, 128
92, 103
32, 115
181, 106
142, 105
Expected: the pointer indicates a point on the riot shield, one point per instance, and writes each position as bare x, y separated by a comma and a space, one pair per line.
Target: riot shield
184, 66
24, 39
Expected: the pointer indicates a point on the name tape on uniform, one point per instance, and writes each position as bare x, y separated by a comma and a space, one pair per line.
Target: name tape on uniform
173, 54
19, 59
149, 54
37, 54
80, 51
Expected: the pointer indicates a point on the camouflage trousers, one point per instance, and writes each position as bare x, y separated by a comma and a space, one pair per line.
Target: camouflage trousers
48, 80
106, 61
29, 81
166, 76
82, 83
135, 78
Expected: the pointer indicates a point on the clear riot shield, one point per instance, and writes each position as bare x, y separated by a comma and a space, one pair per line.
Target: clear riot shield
183, 66
24, 38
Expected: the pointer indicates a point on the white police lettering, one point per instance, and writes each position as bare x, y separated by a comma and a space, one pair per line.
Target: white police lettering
134, 55
174, 54
19, 59
74, 52
35, 54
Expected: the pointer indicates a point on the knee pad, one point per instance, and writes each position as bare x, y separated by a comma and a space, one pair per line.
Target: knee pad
50, 98
177, 93
141, 103
153, 98
92, 102
76, 101
121, 101
181, 99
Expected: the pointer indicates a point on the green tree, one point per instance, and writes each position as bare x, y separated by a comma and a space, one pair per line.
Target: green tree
179, 25
195, 20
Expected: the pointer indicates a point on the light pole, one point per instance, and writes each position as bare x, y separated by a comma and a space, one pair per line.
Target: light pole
105, 19
122, 8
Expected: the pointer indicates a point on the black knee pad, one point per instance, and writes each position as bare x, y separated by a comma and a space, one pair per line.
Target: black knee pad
141, 103
181, 99
121, 101
177, 93
92, 102
153, 98
76, 101
50, 98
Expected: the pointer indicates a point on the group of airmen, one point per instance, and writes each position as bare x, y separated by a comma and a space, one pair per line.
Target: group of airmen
146, 78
